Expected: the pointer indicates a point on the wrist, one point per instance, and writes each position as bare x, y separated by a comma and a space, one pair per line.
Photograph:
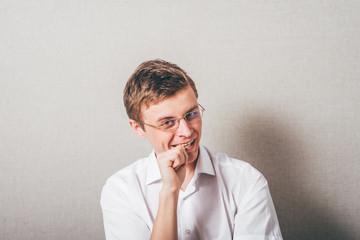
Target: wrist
169, 192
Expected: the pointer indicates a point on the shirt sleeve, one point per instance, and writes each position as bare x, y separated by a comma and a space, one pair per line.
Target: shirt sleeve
256, 217
120, 219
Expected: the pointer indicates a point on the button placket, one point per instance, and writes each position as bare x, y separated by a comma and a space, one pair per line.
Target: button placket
187, 218
185, 228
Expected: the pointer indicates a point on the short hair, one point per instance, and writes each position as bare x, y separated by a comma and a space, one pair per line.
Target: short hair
152, 82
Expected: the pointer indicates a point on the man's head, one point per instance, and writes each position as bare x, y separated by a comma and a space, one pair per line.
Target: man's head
161, 102
152, 82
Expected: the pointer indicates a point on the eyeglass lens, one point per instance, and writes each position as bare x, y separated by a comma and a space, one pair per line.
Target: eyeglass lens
190, 117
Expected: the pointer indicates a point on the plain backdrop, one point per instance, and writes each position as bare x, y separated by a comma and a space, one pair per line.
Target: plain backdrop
279, 81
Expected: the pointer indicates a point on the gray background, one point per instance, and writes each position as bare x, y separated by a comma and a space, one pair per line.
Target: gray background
279, 81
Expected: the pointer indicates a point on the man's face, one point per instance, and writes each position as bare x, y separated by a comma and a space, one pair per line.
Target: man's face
175, 106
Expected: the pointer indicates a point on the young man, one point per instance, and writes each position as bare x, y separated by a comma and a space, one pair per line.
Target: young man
181, 190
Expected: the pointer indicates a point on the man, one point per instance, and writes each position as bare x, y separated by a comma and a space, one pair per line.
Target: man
182, 190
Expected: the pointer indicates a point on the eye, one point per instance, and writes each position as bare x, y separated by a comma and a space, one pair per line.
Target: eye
192, 115
169, 123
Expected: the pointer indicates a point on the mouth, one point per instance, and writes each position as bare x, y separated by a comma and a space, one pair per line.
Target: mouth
186, 145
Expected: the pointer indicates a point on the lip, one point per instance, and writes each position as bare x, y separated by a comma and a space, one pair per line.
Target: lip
190, 144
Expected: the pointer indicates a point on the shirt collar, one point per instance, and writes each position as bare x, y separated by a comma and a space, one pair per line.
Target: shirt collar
153, 171
204, 165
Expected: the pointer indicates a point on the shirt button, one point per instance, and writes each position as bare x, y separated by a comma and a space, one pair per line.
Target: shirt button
187, 231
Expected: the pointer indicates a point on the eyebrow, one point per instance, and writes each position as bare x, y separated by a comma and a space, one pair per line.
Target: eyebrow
160, 120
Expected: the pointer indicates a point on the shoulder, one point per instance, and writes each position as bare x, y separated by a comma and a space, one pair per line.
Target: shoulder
235, 171
222, 161
128, 179
137, 168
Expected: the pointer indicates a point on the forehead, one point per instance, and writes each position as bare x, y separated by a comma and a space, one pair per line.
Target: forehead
174, 106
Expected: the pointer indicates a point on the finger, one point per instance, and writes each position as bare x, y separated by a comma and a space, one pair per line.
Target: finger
184, 155
178, 167
181, 160
171, 162
177, 160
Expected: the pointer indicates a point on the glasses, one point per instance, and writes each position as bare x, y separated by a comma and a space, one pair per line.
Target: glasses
171, 125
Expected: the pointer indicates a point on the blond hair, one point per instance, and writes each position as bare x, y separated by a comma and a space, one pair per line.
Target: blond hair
153, 81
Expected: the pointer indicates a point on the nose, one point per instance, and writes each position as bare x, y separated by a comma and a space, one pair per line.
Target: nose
184, 129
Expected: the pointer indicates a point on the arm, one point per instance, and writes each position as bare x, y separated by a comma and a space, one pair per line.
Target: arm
256, 217
165, 226
172, 174
120, 219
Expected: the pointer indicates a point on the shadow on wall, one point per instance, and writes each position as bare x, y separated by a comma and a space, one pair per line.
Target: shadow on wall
272, 146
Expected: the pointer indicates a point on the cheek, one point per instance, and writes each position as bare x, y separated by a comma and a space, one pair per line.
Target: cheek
164, 141
198, 129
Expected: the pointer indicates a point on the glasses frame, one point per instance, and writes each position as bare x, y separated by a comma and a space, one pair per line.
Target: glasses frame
201, 109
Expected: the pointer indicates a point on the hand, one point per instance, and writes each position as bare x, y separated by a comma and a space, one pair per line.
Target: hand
172, 170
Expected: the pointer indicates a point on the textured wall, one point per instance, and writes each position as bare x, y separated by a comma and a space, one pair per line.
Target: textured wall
279, 81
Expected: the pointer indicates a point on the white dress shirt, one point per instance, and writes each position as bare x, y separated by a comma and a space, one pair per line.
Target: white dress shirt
226, 199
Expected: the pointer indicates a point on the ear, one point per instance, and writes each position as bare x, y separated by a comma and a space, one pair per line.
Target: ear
137, 129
